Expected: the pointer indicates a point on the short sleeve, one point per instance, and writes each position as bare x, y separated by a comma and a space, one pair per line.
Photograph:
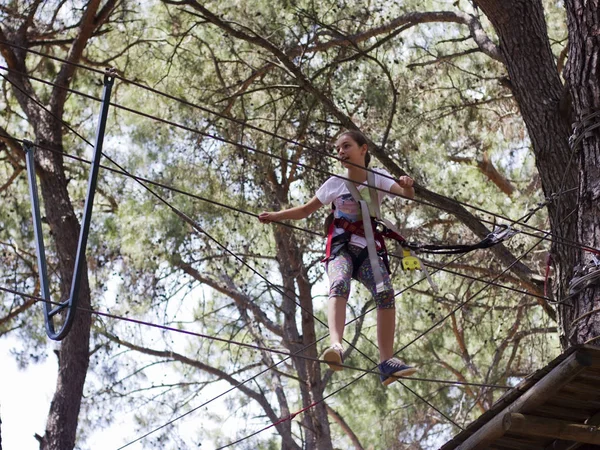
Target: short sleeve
383, 180
325, 192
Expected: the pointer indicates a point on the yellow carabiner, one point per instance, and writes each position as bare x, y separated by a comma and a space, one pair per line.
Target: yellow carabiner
410, 262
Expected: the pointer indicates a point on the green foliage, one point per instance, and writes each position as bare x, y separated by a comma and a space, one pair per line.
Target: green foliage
437, 109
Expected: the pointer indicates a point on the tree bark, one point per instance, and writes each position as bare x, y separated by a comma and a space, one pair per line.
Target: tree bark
582, 73
535, 82
297, 294
61, 426
315, 420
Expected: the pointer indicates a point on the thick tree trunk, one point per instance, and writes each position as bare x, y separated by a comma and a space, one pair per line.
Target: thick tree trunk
315, 420
581, 320
535, 82
61, 426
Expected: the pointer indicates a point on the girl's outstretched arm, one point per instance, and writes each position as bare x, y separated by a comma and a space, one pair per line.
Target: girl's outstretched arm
403, 187
295, 213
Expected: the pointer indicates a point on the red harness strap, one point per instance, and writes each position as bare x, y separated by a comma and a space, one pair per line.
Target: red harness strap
358, 229
329, 239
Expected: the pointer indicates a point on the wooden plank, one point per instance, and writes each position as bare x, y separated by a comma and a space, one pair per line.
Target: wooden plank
595, 366
570, 445
594, 371
534, 397
561, 413
582, 389
588, 377
568, 401
516, 443
549, 428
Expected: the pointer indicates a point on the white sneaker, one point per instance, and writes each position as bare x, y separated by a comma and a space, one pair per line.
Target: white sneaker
334, 356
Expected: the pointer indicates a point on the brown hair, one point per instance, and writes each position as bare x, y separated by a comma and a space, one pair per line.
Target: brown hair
361, 140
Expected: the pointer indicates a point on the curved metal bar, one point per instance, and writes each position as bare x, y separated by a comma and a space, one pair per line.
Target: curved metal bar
52, 308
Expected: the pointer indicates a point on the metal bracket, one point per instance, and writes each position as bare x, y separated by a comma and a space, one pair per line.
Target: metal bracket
501, 233
70, 305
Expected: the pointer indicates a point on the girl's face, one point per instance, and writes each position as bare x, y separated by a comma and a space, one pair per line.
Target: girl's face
349, 151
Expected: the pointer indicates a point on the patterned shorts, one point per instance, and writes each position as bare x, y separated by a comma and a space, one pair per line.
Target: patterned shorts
339, 270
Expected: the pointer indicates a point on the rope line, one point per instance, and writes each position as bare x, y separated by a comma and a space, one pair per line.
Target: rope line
179, 213
461, 305
411, 342
201, 230
274, 365
238, 343
164, 186
199, 197
191, 222
183, 216
210, 111
238, 210
420, 336
283, 159
229, 341
580, 131
443, 319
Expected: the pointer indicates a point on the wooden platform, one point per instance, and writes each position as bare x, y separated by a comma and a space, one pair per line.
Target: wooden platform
555, 408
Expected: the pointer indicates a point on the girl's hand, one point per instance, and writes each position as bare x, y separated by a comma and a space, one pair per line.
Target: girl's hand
267, 217
405, 182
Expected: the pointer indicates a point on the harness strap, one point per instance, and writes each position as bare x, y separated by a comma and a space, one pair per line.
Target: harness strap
391, 232
369, 236
329, 240
374, 208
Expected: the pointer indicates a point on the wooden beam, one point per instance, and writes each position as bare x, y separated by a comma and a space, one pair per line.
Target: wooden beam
570, 445
562, 413
534, 397
506, 443
550, 428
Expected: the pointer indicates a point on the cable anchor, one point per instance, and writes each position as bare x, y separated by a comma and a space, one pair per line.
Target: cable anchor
501, 233
585, 275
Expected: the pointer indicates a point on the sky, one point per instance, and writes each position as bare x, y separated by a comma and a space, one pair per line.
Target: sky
25, 396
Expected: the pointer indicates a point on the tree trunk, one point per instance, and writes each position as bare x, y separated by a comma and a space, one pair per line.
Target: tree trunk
582, 73
315, 420
61, 426
535, 82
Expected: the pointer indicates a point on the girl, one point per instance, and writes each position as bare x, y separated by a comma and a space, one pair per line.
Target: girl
352, 149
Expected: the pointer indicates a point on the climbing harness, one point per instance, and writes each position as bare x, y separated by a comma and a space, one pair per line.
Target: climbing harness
375, 229
70, 305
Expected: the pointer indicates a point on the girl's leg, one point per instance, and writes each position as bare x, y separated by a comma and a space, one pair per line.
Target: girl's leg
386, 329
386, 308
336, 319
339, 272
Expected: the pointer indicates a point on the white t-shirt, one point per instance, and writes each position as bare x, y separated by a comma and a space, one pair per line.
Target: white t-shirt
335, 190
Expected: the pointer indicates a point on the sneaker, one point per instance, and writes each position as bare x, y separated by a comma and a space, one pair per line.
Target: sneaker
334, 356
393, 368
